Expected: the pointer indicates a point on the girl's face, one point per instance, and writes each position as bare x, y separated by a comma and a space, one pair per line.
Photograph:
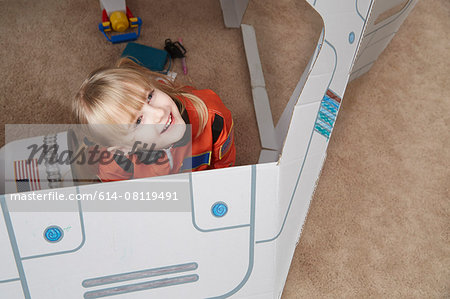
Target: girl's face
159, 122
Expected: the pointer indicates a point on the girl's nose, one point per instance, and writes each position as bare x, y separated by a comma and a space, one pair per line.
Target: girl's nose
157, 115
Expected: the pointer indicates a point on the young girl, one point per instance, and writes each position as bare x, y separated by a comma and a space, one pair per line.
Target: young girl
148, 117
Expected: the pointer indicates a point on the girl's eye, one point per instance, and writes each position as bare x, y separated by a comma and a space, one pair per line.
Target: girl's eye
150, 96
139, 120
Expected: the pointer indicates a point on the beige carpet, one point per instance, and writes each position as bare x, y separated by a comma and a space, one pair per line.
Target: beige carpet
379, 223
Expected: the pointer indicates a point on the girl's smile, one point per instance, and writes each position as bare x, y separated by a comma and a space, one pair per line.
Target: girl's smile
169, 122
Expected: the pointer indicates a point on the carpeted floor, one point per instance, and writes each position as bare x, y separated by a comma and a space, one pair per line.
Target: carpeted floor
379, 223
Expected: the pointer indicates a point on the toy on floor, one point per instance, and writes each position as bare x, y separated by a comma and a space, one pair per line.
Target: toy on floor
176, 50
116, 16
149, 57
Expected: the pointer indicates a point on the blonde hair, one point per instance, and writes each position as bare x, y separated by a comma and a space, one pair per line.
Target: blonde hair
110, 93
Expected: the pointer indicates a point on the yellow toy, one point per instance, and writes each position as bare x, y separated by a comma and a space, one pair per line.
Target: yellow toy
116, 16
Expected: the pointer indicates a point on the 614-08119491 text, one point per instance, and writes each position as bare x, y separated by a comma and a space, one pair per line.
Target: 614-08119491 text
138, 195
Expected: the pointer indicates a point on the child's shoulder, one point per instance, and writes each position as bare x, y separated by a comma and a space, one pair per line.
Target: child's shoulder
211, 99
204, 92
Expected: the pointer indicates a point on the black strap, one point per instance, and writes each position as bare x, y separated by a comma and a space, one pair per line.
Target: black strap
217, 127
124, 163
187, 134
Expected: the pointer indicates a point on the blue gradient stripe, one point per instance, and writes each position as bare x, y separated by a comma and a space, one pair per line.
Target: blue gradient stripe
325, 115
326, 119
324, 125
329, 108
322, 131
331, 101
327, 112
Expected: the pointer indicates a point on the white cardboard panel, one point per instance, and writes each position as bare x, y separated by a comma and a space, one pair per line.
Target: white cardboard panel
316, 53
327, 8
383, 33
238, 200
233, 11
29, 231
8, 265
372, 52
365, 42
318, 145
148, 246
305, 169
300, 131
267, 204
263, 273
264, 118
113, 5
343, 35
366, 58
268, 156
358, 63
314, 89
260, 97
267, 295
297, 215
369, 55
138, 196
11, 290
325, 62
285, 119
353, 76
288, 178
252, 54
382, 6
362, 6
363, 70
339, 83
378, 33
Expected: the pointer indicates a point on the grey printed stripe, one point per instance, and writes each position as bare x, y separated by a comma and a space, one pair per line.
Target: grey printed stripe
166, 282
92, 282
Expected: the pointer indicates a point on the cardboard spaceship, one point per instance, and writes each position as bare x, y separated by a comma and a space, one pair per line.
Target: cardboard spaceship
231, 232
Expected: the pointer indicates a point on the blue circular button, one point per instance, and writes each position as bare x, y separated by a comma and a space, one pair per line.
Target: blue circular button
219, 209
351, 37
53, 234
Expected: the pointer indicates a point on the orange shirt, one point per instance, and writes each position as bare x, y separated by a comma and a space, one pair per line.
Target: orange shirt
213, 148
